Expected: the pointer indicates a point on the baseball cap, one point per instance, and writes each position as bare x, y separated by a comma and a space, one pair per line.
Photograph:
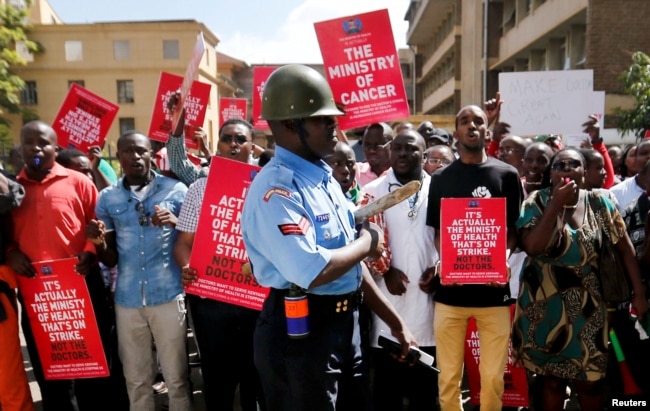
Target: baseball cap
440, 134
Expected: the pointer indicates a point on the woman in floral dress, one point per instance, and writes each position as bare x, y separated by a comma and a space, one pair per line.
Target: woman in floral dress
560, 329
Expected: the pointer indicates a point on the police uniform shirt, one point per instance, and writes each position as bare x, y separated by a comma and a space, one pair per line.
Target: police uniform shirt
294, 214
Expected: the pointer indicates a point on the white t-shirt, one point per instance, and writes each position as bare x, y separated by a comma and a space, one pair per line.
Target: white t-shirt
413, 251
626, 192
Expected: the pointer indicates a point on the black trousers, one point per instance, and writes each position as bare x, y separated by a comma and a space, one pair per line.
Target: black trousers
395, 381
224, 333
90, 394
325, 371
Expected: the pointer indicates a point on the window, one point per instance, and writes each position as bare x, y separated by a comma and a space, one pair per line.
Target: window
577, 47
74, 50
563, 58
171, 50
79, 82
29, 95
121, 50
509, 14
126, 124
125, 91
23, 51
406, 70
523, 9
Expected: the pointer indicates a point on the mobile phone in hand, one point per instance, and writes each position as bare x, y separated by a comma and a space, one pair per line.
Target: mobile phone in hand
415, 355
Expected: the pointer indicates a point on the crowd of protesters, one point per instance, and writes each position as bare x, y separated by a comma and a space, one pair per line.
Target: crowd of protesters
133, 237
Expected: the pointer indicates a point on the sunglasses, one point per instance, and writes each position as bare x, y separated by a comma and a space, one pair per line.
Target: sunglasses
143, 218
228, 138
561, 165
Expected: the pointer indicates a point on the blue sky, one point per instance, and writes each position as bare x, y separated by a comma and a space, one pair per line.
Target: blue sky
256, 31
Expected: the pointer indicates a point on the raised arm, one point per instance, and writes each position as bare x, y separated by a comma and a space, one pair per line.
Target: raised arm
178, 161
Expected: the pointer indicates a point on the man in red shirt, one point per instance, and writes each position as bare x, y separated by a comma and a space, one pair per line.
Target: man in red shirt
49, 225
375, 142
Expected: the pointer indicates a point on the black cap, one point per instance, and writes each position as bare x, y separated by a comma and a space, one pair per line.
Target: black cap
440, 134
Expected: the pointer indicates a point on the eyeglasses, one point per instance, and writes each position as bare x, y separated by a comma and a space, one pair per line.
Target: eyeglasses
228, 138
143, 218
437, 161
563, 164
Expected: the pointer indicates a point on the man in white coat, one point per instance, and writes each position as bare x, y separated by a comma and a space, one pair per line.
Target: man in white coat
407, 257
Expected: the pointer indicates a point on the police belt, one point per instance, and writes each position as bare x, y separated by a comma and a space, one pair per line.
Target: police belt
11, 297
329, 304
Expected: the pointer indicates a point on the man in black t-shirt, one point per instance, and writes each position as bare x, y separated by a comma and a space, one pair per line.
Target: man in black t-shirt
476, 175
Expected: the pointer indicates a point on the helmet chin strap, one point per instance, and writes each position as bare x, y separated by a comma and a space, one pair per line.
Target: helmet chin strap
302, 134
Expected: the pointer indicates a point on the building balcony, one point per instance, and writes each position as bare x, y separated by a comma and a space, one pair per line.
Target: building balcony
441, 94
439, 54
551, 20
424, 16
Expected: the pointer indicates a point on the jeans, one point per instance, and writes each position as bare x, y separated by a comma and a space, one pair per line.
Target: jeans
135, 329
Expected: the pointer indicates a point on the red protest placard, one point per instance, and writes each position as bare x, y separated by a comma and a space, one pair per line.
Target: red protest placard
260, 74
63, 322
363, 69
473, 240
515, 393
190, 75
83, 119
196, 105
218, 252
232, 108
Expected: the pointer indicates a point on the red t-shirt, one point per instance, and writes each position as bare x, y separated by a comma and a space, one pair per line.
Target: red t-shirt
51, 222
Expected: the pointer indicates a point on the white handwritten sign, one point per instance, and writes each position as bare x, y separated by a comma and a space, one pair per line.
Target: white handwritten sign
543, 102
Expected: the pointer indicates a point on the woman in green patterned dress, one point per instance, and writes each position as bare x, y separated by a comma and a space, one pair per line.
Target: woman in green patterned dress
560, 329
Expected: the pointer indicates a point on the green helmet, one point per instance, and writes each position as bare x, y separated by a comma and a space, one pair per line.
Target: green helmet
297, 91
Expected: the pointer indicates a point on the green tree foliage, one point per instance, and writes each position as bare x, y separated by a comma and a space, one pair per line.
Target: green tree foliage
636, 80
13, 30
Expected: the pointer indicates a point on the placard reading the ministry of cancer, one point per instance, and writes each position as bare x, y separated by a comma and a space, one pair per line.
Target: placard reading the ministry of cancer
83, 119
63, 321
473, 240
362, 67
218, 252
